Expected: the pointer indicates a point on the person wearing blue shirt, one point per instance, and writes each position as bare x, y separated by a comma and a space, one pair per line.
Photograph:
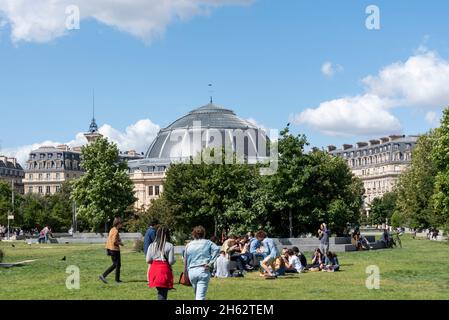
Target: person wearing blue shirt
271, 252
150, 235
200, 256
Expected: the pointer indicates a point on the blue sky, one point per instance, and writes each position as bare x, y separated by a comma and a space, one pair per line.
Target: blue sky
264, 59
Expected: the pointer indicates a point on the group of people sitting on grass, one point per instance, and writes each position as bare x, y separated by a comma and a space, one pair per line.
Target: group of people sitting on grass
203, 258
251, 252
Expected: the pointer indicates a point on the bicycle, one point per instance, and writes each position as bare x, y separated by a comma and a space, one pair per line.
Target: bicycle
396, 240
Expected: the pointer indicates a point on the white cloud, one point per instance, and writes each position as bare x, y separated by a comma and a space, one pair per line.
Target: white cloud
432, 118
347, 116
44, 20
258, 125
329, 70
137, 136
421, 81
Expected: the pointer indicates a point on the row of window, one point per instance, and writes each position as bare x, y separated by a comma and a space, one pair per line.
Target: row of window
49, 155
360, 153
384, 158
48, 176
11, 172
41, 189
69, 165
380, 170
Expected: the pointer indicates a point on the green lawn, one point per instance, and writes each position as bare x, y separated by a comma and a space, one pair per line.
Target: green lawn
417, 271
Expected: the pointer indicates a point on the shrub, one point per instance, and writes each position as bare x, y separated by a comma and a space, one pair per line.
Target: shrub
138, 245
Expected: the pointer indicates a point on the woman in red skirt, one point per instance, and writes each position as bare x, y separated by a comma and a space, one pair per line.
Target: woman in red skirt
161, 256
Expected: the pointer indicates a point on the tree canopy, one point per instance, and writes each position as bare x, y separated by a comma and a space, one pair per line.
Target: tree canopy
105, 190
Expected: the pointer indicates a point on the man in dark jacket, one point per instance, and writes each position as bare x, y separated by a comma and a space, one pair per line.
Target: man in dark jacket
150, 235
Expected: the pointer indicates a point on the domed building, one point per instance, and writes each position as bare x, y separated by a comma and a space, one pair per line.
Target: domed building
205, 128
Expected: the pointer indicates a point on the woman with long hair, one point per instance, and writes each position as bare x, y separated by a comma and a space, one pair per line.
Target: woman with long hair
160, 257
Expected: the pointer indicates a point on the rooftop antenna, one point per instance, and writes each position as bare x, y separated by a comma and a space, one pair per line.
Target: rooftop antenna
93, 104
210, 92
93, 125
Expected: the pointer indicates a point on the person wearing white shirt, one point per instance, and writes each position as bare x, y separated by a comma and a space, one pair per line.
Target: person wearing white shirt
294, 264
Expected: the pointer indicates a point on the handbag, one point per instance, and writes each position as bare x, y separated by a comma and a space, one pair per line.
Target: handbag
184, 277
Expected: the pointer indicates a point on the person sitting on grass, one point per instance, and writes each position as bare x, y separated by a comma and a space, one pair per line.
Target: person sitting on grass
232, 249
271, 252
318, 260
294, 264
301, 256
221, 266
279, 266
331, 263
386, 239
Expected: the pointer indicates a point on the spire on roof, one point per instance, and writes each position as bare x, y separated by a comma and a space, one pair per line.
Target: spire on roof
93, 128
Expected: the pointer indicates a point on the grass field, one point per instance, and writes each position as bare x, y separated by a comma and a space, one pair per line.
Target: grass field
417, 271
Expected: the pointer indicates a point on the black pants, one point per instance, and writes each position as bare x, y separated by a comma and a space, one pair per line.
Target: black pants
162, 293
116, 264
238, 259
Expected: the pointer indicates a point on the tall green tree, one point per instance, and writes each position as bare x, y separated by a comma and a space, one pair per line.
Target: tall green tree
311, 188
105, 190
215, 195
6, 203
383, 208
416, 186
440, 155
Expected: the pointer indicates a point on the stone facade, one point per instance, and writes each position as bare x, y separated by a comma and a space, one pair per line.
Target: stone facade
12, 172
378, 163
148, 185
49, 167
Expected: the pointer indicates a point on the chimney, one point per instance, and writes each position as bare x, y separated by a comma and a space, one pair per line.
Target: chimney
331, 148
13, 161
361, 144
384, 139
374, 142
63, 147
395, 137
347, 146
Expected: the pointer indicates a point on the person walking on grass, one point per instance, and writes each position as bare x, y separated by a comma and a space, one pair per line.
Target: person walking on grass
200, 255
150, 235
160, 258
113, 250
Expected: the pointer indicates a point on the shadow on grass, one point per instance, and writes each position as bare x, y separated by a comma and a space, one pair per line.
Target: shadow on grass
135, 281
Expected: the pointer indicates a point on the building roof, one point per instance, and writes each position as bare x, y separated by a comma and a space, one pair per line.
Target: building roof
212, 116
375, 144
177, 141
